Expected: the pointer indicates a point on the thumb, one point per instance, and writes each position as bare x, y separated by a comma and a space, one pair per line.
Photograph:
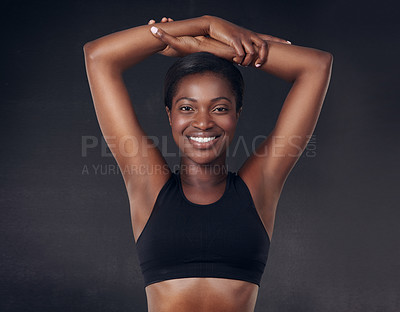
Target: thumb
165, 37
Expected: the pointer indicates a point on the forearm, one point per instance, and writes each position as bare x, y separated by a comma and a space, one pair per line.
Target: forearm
123, 49
289, 62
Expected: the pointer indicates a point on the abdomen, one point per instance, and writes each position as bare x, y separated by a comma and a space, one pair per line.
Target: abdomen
202, 295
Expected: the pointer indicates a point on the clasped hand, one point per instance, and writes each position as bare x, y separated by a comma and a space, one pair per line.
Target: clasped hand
224, 39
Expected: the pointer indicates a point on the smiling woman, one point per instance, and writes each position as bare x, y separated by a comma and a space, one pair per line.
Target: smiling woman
202, 232
203, 118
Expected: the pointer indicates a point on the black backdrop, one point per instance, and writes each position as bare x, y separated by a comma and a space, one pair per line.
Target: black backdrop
66, 240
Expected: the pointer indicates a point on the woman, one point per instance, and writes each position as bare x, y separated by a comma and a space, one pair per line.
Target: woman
203, 233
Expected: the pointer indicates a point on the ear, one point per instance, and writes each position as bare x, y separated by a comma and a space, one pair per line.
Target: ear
169, 114
238, 113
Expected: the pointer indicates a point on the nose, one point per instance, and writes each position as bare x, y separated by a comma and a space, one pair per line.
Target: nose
203, 121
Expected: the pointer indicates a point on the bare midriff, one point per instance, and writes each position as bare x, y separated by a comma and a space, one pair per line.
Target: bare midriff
202, 295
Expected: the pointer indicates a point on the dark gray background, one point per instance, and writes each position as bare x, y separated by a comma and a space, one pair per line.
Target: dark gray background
66, 239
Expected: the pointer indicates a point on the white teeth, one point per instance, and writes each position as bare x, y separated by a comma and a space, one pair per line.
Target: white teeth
202, 140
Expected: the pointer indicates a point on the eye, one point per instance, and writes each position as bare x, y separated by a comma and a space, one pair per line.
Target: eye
185, 108
221, 109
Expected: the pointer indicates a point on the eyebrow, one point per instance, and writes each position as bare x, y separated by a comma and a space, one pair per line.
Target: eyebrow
194, 100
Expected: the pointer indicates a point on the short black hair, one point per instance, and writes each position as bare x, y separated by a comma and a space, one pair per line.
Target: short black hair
201, 62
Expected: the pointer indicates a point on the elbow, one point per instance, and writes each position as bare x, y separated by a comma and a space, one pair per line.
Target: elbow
330, 57
98, 56
319, 63
95, 53
325, 61
86, 47
89, 51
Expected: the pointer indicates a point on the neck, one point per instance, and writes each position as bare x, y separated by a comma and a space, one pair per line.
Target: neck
202, 174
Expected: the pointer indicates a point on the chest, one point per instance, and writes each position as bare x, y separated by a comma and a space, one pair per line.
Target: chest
228, 228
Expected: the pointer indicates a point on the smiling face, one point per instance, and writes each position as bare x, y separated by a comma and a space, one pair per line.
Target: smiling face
203, 118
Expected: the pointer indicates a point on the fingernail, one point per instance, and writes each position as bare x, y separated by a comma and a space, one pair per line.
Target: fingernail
154, 29
288, 41
258, 65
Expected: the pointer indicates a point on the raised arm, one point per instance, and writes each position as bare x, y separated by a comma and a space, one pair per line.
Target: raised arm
106, 58
266, 171
309, 71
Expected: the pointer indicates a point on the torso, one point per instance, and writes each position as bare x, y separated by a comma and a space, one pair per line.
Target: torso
198, 294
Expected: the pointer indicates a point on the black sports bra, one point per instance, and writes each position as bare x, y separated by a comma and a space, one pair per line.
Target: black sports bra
225, 239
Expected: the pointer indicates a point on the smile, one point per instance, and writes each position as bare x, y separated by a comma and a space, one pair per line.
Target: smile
202, 140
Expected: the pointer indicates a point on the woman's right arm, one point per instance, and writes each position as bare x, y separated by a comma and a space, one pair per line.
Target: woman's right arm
106, 58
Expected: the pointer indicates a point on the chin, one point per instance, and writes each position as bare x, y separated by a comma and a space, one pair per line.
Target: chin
202, 158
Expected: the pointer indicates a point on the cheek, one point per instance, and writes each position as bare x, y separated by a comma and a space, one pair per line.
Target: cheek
179, 124
228, 124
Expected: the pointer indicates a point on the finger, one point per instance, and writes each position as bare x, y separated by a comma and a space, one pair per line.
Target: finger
151, 22
250, 53
165, 37
262, 48
164, 19
272, 38
170, 19
262, 54
240, 55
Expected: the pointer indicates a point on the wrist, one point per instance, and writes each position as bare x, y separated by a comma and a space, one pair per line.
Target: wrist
207, 20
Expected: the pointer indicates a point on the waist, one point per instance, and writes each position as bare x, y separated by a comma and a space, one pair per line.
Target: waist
202, 295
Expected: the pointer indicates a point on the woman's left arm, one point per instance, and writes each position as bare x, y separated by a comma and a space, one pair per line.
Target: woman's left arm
309, 71
266, 170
